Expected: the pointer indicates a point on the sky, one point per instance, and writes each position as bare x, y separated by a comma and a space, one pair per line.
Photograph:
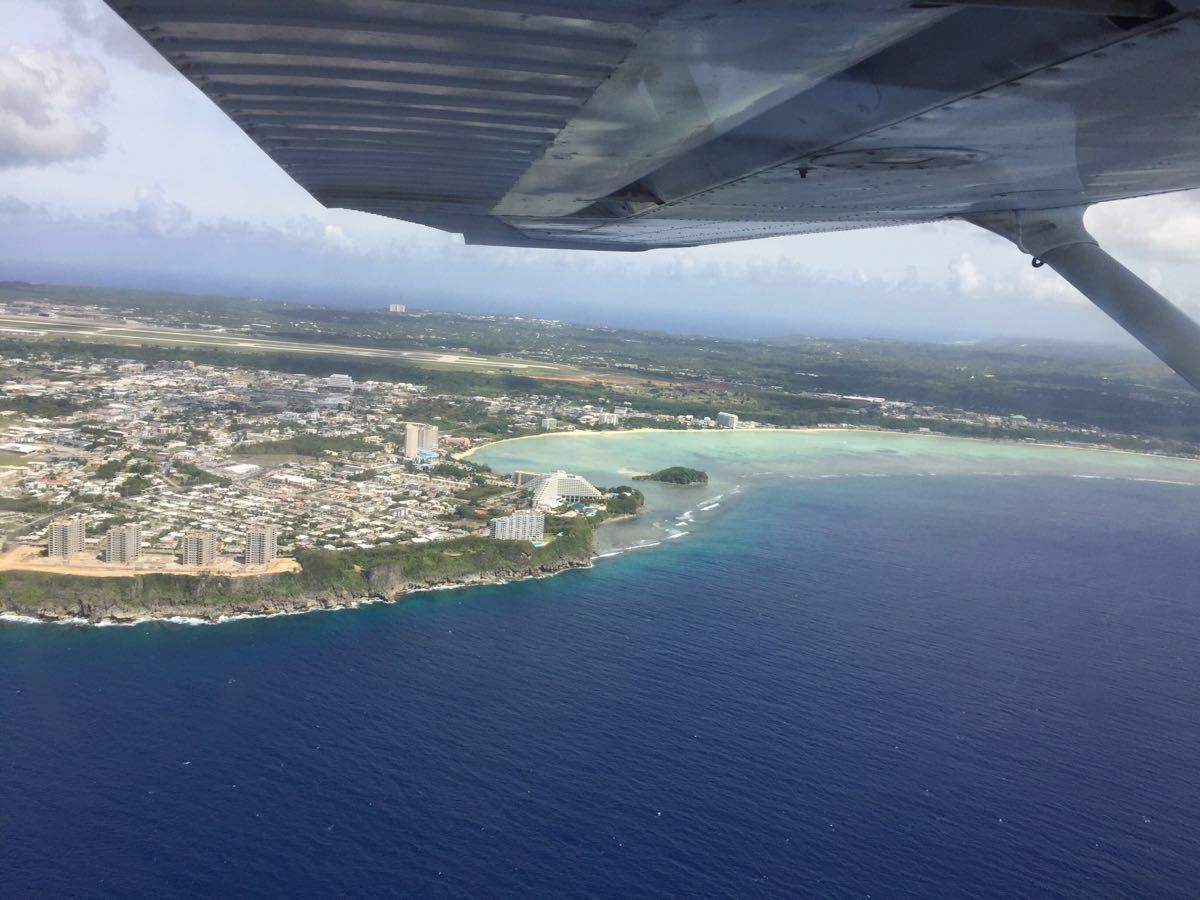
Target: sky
115, 171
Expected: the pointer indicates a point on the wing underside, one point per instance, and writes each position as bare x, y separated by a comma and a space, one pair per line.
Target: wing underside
633, 124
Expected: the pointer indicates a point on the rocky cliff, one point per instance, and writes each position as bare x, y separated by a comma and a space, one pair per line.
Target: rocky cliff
327, 581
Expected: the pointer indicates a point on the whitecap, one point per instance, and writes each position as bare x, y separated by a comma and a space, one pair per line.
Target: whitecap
16, 617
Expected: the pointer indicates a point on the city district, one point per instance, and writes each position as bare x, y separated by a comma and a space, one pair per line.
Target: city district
118, 467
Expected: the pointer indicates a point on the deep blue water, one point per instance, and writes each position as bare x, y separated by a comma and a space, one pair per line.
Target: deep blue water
886, 687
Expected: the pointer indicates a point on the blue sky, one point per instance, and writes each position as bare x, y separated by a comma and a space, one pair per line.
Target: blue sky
114, 170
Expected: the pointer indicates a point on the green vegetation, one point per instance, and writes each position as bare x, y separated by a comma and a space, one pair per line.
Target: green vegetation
25, 504
358, 570
481, 493
110, 521
41, 407
188, 475
623, 500
134, 485
108, 469
305, 445
675, 475
345, 574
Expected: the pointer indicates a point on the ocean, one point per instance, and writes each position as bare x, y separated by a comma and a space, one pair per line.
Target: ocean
924, 683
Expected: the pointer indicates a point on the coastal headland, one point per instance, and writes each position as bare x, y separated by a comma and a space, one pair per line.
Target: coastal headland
318, 579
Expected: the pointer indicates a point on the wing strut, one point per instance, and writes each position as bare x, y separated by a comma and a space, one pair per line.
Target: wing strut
1057, 238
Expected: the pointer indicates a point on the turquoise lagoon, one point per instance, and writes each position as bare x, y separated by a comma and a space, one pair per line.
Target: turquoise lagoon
755, 460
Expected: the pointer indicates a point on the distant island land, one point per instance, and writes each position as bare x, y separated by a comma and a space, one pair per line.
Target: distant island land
675, 475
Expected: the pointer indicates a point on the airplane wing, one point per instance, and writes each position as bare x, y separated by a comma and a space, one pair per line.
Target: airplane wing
636, 124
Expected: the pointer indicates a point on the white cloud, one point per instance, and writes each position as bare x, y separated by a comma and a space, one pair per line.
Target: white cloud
966, 277
336, 239
1165, 227
154, 214
94, 21
1043, 285
47, 105
1015, 278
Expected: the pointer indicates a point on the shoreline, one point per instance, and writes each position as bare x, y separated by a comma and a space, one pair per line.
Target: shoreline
183, 613
271, 606
809, 429
294, 607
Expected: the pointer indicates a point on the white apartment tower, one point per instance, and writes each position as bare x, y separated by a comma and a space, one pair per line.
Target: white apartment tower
199, 548
418, 437
124, 544
65, 538
261, 544
523, 525
727, 420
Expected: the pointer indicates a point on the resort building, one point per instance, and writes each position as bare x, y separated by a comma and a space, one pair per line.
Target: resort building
608, 419
65, 538
521, 478
199, 548
262, 544
549, 424
397, 308
418, 437
124, 544
561, 487
523, 525
727, 420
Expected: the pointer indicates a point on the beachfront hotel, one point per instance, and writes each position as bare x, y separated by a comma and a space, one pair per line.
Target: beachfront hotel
559, 487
